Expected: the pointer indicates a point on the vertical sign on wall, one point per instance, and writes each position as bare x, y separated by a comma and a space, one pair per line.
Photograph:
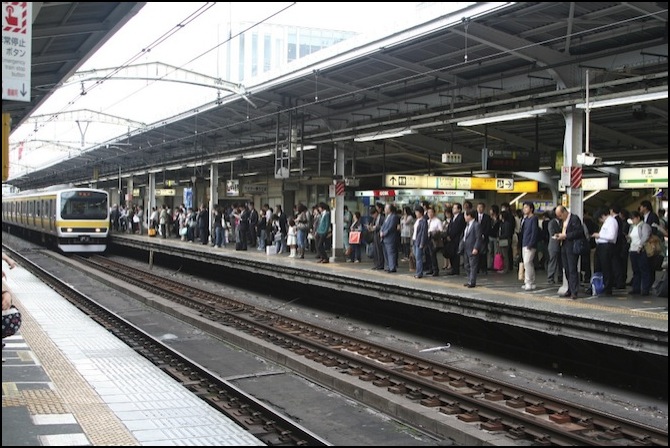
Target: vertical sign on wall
188, 197
16, 50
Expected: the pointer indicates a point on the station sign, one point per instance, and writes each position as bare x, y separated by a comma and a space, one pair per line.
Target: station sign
254, 189
165, 192
648, 177
415, 192
449, 182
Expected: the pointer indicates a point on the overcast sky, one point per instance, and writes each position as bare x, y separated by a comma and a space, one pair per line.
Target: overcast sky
192, 47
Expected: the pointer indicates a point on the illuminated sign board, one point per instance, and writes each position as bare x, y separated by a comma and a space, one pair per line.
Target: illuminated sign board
165, 192
412, 192
523, 186
648, 177
449, 182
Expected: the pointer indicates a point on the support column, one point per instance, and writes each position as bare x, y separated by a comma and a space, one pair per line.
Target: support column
337, 214
151, 198
213, 195
129, 190
572, 146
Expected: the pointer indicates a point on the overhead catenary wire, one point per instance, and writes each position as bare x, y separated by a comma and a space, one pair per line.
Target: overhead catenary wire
406, 78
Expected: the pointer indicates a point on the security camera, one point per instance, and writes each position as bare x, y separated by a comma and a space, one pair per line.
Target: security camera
588, 159
639, 111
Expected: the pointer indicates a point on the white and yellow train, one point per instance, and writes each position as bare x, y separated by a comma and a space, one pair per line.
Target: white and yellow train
72, 219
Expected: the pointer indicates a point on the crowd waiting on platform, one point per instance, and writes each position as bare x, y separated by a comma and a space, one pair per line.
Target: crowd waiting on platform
477, 239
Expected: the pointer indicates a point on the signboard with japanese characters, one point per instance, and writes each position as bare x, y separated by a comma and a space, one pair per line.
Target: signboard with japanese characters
647, 177
16, 50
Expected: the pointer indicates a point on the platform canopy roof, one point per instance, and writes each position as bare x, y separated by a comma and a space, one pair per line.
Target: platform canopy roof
417, 88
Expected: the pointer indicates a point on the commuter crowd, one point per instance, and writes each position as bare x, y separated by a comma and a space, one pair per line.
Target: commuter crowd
475, 240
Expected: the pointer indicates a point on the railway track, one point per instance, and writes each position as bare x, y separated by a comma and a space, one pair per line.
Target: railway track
455, 396
264, 422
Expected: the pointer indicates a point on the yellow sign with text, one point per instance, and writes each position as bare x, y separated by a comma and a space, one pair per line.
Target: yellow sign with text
522, 186
453, 183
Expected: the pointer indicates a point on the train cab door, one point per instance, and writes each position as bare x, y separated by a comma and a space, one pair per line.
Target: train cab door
51, 213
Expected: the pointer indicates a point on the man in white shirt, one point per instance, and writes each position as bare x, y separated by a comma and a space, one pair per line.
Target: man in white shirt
605, 247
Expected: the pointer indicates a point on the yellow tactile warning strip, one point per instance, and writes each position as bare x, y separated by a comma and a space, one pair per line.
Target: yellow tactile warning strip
72, 393
44, 401
547, 299
600, 307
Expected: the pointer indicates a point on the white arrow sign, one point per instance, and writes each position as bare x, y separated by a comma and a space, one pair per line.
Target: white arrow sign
505, 184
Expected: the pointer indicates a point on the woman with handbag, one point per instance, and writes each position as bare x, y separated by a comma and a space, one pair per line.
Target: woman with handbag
11, 317
302, 229
355, 238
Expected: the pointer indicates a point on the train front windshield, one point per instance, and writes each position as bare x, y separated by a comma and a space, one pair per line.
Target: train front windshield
84, 205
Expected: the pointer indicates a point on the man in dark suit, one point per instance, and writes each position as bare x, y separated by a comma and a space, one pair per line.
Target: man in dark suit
253, 232
454, 237
555, 265
421, 240
572, 230
377, 246
647, 212
485, 224
387, 233
472, 246
243, 228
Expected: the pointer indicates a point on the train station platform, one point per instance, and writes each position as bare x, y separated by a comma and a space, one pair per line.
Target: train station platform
622, 320
66, 381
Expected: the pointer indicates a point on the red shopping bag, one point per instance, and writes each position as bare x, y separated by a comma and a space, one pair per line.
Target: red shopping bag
354, 237
498, 262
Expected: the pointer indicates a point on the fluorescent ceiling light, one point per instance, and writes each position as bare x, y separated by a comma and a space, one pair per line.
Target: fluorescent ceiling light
248, 174
258, 155
306, 147
625, 100
194, 164
383, 135
504, 117
226, 159
156, 170
172, 168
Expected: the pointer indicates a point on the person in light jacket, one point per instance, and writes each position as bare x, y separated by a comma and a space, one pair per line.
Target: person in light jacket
638, 235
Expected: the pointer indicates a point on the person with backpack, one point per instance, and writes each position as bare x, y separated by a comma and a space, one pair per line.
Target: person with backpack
639, 233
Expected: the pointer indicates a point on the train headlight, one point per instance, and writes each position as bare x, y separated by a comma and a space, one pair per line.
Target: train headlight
98, 230
69, 229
